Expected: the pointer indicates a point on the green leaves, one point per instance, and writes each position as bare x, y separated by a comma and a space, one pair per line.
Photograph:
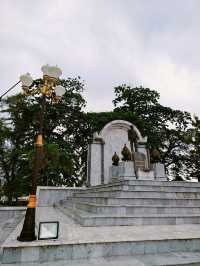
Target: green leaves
68, 130
167, 129
63, 135
137, 100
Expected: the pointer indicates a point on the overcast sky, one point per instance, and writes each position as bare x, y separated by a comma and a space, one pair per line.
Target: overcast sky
154, 43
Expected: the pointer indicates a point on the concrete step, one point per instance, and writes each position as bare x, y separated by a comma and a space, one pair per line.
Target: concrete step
135, 201
89, 219
138, 210
76, 242
72, 253
162, 259
161, 183
151, 183
157, 188
139, 194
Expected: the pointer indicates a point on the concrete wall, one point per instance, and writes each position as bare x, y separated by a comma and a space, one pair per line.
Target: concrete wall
96, 169
48, 196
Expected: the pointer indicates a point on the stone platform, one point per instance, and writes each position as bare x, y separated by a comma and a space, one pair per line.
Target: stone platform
78, 245
160, 220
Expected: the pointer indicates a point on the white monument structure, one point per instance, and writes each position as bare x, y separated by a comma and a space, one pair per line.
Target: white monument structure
112, 139
132, 219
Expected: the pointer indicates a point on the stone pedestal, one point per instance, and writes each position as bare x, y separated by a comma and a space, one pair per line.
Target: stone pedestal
125, 170
159, 171
145, 175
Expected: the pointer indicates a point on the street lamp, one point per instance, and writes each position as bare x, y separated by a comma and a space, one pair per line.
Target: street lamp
49, 89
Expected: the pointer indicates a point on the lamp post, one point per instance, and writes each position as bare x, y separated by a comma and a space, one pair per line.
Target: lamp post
52, 90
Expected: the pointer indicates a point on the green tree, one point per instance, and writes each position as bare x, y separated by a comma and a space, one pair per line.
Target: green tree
96, 121
67, 131
64, 142
166, 128
193, 164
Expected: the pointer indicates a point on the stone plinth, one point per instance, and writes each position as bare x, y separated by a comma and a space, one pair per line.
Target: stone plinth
125, 170
160, 171
145, 175
140, 160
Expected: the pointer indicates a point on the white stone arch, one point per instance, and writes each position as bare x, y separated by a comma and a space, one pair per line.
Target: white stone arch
123, 125
111, 139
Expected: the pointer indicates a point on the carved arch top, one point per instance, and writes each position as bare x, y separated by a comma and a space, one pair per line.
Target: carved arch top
124, 125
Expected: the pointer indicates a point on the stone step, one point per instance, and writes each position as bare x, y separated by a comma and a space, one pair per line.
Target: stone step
88, 219
136, 201
76, 242
139, 194
151, 183
157, 188
137, 210
50, 253
160, 259
161, 183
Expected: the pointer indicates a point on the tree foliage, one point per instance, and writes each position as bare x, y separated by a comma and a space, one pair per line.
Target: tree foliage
63, 150
167, 129
193, 164
68, 129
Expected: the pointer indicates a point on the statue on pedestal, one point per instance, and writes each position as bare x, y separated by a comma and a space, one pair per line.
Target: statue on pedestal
126, 154
132, 137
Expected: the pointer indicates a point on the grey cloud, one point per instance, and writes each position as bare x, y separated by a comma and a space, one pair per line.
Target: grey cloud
107, 42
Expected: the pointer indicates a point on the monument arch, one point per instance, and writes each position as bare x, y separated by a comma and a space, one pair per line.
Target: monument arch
110, 140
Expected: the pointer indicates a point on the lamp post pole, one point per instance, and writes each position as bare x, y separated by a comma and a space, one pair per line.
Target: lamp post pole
52, 90
28, 230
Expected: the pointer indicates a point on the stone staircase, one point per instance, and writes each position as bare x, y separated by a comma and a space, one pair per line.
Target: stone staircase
135, 202
157, 206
